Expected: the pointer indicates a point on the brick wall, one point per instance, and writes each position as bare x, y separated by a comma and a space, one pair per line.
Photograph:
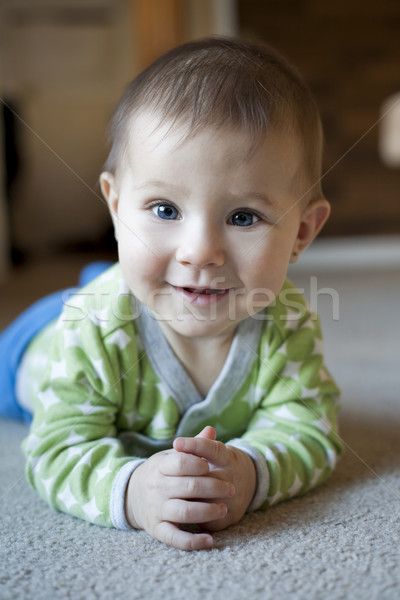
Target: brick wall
349, 53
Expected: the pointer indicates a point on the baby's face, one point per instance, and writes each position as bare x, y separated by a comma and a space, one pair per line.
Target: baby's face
205, 229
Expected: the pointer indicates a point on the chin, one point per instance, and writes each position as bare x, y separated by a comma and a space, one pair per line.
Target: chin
200, 329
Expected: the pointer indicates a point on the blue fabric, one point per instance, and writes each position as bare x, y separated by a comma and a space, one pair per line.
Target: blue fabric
93, 270
13, 342
16, 337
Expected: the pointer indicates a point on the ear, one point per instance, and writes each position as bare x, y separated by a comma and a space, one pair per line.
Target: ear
313, 219
109, 190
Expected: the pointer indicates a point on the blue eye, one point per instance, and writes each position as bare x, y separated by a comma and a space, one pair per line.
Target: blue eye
243, 219
165, 212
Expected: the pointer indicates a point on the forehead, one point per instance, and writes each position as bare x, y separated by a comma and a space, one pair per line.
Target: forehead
155, 140
151, 132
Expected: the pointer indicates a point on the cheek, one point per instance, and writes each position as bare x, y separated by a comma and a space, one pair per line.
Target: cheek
139, 260
267, 267
267, 283
263, 281
139, 236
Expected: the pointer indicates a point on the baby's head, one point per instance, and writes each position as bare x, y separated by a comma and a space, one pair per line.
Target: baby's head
213, 182
220, 83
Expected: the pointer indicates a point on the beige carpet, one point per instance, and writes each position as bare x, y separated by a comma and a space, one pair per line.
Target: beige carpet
340, 541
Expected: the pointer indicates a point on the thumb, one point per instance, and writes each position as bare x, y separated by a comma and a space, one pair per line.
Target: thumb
208, 432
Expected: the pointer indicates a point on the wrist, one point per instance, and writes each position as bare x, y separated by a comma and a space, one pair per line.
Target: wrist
253, 459
262, 473
130, 500
251, 477
247, 476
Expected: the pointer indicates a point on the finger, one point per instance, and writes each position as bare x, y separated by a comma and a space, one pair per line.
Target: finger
186, 512
198, 487
171, 535
214, 452
180, 464
208, 432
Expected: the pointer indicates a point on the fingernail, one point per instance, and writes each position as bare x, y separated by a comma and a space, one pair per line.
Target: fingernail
223, 510
178, 443
209, 541
232, 490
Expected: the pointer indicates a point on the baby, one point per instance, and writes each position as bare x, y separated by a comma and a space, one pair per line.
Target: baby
185, 385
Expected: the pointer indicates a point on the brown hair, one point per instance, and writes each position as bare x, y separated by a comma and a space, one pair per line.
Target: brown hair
223, 82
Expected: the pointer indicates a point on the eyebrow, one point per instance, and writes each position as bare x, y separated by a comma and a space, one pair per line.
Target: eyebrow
156, 183
246, 195
254, 195
259, 196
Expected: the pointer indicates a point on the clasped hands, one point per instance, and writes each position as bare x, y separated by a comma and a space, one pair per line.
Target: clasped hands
199, 481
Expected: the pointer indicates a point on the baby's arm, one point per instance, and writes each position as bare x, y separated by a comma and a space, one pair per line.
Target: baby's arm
172, 488
292, 434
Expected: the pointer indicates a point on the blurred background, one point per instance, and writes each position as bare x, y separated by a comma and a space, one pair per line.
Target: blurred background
65, 63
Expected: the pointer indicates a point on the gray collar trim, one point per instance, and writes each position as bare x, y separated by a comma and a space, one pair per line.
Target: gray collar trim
170, 371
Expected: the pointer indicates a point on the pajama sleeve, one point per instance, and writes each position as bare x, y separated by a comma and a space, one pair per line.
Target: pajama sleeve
75, 459
292, 435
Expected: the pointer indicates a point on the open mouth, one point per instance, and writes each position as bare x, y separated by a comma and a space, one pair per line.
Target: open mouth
202, 296
207, 291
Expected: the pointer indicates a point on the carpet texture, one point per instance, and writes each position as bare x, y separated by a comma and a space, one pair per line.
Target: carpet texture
340, 541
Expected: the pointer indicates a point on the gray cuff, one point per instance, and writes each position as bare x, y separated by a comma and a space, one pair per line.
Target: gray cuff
118, 491
262, 486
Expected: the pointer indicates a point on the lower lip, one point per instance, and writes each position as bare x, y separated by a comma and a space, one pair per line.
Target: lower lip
201, 299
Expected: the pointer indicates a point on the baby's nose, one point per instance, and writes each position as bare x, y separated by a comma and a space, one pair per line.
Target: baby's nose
201, 247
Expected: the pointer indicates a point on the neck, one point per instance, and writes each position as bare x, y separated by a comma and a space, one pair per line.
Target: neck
202, 358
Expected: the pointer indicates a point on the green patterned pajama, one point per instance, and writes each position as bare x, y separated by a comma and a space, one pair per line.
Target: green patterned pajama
108, 392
